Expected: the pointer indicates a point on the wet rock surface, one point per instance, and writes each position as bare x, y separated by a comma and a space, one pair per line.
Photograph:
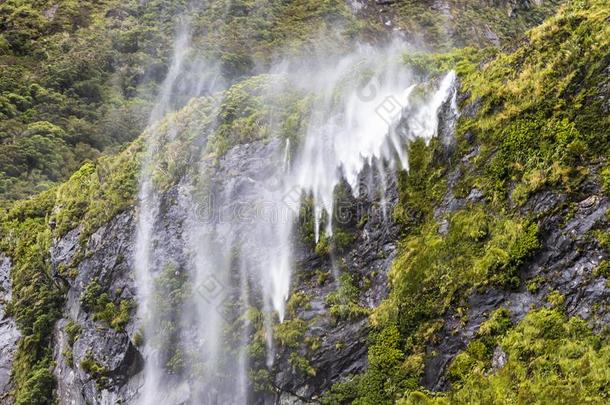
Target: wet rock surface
9, 334
106, 261
342, 350
342, 344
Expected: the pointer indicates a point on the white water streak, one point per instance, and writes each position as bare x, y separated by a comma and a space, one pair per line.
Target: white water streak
352, 124
366, 112
148, 212
185, 79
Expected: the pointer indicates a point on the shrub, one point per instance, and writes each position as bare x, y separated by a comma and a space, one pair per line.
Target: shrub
98, 302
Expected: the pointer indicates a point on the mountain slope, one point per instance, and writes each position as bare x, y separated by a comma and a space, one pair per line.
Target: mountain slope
510, 218
78, 78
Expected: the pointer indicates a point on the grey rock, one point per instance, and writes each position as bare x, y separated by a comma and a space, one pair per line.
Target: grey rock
106, 261
9, 334
491, 36
499, 358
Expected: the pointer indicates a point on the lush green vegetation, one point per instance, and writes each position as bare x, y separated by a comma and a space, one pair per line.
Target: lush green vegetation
70, 71
78, 77
77, 80
533, 128
97, 371
549, 359
96, 300
91, 197
343, 302
36, 298
542, 119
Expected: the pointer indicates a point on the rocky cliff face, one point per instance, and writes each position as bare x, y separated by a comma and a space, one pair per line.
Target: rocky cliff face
9, 334
515, 191
96, 363
565, 263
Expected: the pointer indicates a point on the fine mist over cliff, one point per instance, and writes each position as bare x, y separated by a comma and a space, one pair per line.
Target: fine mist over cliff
359, 111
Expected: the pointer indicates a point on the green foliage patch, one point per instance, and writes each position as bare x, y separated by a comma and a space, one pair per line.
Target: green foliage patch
541, 118
549, 359
96, 300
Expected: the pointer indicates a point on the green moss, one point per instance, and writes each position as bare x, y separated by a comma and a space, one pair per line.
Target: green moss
323, 247
138, 338
261, 380
422, 186
97, 301
290, 332
301, 365
298, 300
73, 331
343, 302
313, 343
555, 298
342, 393
97, 193
68, 356
603, 269
38, 387
497, 323
539, 122
534, 284
549, 359
36, 300
605, 180
384, 377
97, 371
175, 364
248, 109
321, 277
462, 60
433, 271
342, 239
603, 238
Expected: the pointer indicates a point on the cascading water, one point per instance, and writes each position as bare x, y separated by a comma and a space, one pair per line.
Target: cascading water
371, 123
148, 208
187, 77
237, 212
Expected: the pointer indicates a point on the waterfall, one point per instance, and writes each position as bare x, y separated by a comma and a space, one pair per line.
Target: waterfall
226, 264
148, 210
370, 125
187, 77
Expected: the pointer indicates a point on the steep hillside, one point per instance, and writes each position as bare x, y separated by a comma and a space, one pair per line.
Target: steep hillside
488, 282
78, 78
513, 220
